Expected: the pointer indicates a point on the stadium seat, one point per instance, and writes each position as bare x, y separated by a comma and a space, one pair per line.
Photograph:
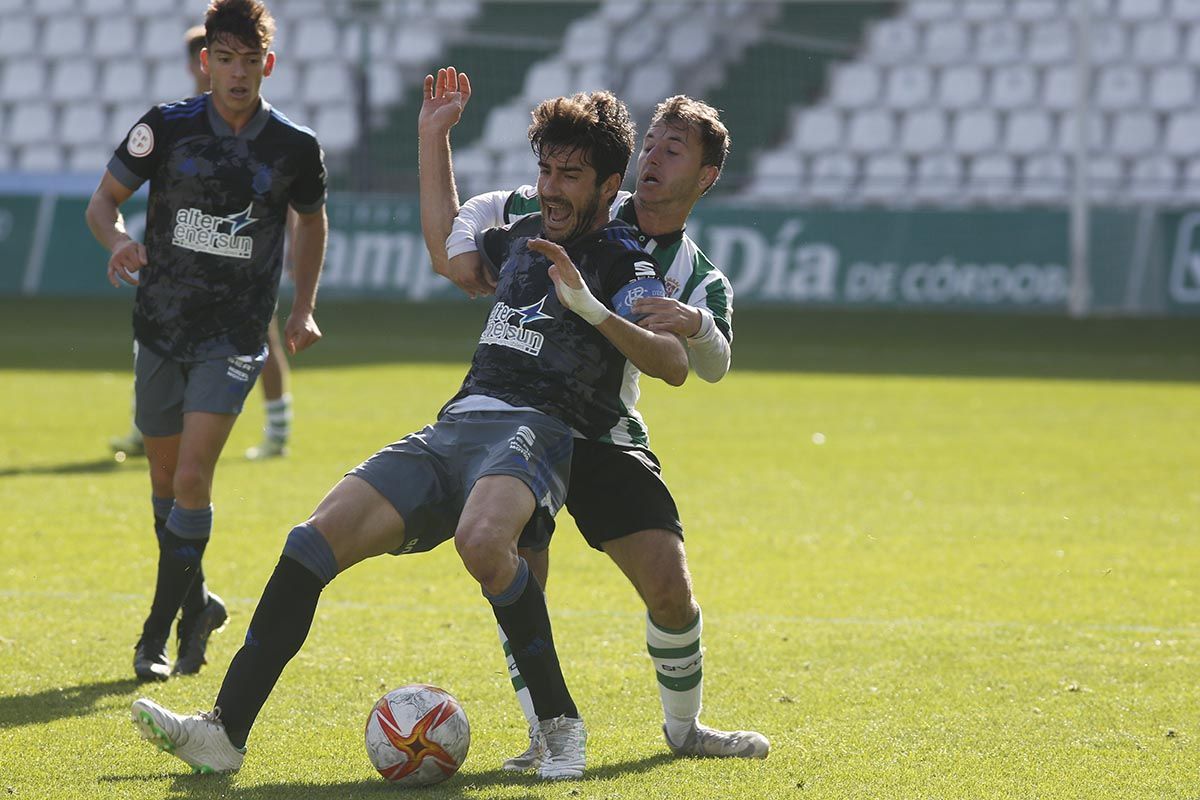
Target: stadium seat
337, 126
1059, 88
854, 85
1153, 179
31, 123
385, 85
123, 117
417, 44
100, 9
1107, 41
1104, 178
48, 9
117, 36
893, 41
591, 77
1173, 88
1189, 190
946, 41
281, 88
327, 82
123, 80
885, 177
40, 158
1183, 134
516, 167
635, 44
17, 37
1045, 178
474, 171
72, 79
23, 80
983, 10
648, 83
992, 176
819, 129
83, 123
960, 87
1013, 87
1185, 10
908, 86
830, 177
923, 131
317, 38
938, 178
550, 78
455, 10
1067, 132
1118, 87
1050, 42
621, 12
690, 41
505, 128
1134, 133
1136, 10
64, 36
998, 42
975, 131
90, 159
871, 131
587, 40
1036, 10
1028, 132
931, 9
155, 8
778, 174
162, 37
1156, 42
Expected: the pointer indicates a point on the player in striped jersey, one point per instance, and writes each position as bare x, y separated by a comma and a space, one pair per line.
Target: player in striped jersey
681, 159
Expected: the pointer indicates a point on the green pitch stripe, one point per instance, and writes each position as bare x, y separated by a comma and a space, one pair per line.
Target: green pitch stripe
674, 652
681, 684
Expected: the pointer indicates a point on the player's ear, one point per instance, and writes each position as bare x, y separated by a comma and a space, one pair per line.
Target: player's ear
204, 60
708, 176
608, 189
268, 64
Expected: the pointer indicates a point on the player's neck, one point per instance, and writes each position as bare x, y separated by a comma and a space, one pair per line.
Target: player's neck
239, 119
656, 219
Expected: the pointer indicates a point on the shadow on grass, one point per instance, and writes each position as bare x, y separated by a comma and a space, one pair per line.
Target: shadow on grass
201, 787
60, 703
69, 468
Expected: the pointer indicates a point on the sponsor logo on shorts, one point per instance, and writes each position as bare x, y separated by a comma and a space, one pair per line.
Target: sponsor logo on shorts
141, 141
240, 368
522, 442
218, 236
500, 329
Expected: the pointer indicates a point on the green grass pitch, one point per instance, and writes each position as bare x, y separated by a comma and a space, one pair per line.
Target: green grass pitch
938, 556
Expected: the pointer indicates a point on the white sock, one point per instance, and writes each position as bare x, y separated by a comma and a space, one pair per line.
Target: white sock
518, 683
279, 418
678, 661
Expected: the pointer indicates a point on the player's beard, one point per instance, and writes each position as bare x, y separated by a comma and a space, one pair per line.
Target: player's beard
585, 217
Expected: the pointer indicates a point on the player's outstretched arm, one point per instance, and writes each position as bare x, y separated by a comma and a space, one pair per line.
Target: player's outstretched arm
308, 255
659, 355
708, 350
104, 219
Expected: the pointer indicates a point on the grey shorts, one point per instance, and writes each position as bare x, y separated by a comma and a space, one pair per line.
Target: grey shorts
165, 390
427, 475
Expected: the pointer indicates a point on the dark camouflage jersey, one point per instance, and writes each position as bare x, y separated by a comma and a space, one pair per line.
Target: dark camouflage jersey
215, 222
533, 351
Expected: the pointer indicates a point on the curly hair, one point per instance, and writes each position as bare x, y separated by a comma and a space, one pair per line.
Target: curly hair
247, 21
596, 124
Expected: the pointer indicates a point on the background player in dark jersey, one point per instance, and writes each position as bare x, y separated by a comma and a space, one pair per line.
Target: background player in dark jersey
223, 168
549, 359
277, 400
681, 158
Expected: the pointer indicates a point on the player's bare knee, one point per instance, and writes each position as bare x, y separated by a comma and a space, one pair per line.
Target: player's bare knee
670, 603
192, 485
482, 550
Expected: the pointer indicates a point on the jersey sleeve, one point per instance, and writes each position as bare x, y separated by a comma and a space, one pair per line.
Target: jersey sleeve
492, 245
140, 152
475, 216
309, 188
632, 276
710, 290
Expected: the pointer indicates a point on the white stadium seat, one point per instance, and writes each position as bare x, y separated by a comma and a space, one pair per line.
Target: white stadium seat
123, 118
1036, 10
978, 10
153, 8
1107, 41
586, 40
939, 178
550, 78
417, 44
171, 82
998, 42
23, 80
1183, 134
1185, 10
90, 159
102, 8
620, 12
1173, 88
53, 8
636, 43
961, 87
72, 79
1134, 133
40, 158
1028, 132
162, 37
590, 77
892, 40
1060, 88
946, 41
31, 123
17, 37
649, 83
316, 38
931, 9
1067, 132
337, 126
819, 129
1045, 178
976, 131
1153, 179
505, 127
1156, 42
385, 85
281, 87
1051, 42
778, 174
117, 36
885, 177
1013, 87
64, 36
1119, 87
83, 123
517, 167
854, 85
689, 41
123, 80
327, 82
830, 176
923, 131
1135, 10
992, 176
871, 131
908, 87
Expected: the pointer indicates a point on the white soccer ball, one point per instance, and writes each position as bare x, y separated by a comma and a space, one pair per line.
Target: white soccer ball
417, 735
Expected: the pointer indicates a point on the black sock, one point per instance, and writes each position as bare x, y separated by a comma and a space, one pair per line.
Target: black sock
526, 622
277, 630
179, 562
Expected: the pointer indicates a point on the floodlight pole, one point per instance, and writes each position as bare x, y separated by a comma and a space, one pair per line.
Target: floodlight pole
1079, 293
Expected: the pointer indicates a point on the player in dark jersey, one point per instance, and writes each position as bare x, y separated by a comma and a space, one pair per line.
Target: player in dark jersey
223, 168
499, 452
681, 158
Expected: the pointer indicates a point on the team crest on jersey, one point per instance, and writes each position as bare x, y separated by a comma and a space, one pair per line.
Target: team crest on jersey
141, 141
506, 327
671, 285
218, 236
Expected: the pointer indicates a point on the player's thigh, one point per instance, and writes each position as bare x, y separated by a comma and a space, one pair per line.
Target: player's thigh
204, 436
656, 564
358, 522
616, 492
497, 507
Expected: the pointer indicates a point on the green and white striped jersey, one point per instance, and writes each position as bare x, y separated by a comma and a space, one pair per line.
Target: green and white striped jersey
688, 275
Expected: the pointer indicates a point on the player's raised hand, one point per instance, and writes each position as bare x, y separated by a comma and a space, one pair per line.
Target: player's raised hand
126, 259
445, 98
300, 332
467, 272
568, 283
669, 315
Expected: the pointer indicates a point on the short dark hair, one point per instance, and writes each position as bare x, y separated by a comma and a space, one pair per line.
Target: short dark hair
682, 111
194, 40
247, 21
596, 124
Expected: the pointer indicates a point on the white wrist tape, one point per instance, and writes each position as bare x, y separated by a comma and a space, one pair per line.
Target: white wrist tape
583, 303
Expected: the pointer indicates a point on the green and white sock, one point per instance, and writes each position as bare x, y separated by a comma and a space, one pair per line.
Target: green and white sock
678, 664
518, 683
279, 418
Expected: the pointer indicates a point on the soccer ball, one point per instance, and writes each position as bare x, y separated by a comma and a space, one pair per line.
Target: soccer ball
417, 735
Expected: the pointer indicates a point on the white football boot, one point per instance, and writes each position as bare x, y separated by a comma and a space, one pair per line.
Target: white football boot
705, 742
199, 739
530, 759
562, 741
